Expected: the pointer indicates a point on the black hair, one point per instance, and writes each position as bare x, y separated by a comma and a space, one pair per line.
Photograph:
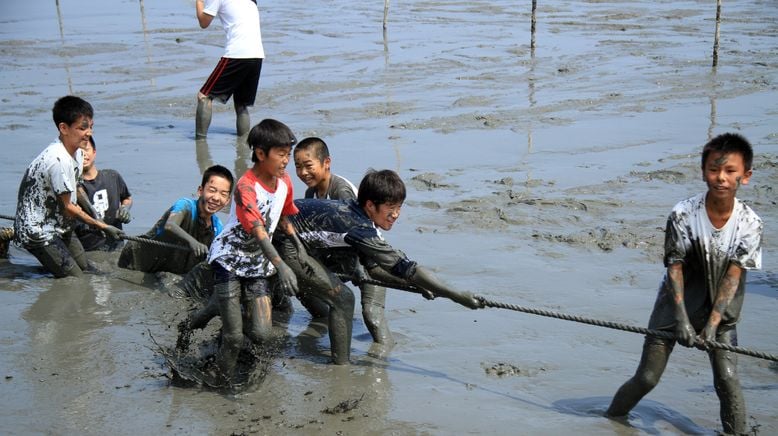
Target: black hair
383, 186
69, 108
219, 171
92, 142
729, 143
318, 146
270, 133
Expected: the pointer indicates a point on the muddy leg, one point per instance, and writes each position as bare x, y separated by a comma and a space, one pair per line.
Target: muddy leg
656, 351
203, 116
727, 384
373, 303
257, 319
242, 119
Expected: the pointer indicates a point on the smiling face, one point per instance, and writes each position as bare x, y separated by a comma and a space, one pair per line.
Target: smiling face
214, 195
89, 157
76, 135
383, 215
274, 162
310, 169
724, 173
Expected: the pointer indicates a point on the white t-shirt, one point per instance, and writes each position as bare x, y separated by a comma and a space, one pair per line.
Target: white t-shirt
39, 214
240, 20
706, 253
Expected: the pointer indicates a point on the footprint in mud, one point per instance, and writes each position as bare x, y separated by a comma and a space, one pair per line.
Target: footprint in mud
502, 369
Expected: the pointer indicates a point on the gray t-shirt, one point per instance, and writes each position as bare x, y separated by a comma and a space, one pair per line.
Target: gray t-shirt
340, 189
706, 253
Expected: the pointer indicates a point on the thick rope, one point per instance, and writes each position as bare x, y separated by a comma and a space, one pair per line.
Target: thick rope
624, 327
498, 305
138, 239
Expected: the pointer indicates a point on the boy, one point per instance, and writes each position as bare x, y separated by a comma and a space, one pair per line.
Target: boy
337, 236
191, 221
107, 196
46, 210
711, 240
242, 256
312, 161
237, 73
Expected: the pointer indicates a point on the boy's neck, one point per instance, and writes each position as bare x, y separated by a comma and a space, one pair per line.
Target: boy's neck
71, 148
263, 176
90, 174
719, 210
324, 185
202, 215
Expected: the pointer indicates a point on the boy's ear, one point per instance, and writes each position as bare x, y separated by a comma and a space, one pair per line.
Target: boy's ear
746, 177
199, 191
327, 162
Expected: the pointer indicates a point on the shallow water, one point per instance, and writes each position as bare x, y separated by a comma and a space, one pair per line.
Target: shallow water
536, 177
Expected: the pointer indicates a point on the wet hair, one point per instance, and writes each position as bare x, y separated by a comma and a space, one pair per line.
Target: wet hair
268, 134
729, 143
70, 108
218, 171
317, 145
383, 186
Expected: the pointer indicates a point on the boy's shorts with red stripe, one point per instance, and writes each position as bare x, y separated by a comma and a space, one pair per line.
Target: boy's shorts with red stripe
234, 77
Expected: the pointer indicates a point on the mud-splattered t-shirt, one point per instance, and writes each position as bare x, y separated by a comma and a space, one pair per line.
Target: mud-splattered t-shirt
236, 249
339, 189
39, 213
706, 253
339, 234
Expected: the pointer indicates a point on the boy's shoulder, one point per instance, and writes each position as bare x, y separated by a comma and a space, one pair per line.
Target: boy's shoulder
341, 188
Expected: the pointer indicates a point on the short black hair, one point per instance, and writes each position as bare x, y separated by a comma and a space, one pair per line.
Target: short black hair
383, 186
70, 108
219, 171
92, 142
270, 133
318, 146
729, 143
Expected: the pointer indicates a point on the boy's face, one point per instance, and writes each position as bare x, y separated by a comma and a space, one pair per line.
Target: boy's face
76, 135
383, 215
89, 156
724, 173
214, 195
275, 161
310, 169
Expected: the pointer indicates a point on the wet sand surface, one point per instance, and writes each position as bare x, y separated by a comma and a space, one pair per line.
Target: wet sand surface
540, 178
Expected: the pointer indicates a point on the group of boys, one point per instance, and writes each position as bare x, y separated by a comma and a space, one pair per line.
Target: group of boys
308, 245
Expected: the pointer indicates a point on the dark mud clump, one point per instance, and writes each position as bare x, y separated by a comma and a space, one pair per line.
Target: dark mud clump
344, 406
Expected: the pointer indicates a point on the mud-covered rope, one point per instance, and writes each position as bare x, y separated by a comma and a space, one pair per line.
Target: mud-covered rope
624, 327
138, 239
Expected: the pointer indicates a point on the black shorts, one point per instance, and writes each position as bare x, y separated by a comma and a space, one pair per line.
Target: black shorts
234, 77
227, 285
61, 255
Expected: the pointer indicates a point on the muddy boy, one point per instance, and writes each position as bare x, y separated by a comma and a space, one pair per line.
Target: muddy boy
711, 240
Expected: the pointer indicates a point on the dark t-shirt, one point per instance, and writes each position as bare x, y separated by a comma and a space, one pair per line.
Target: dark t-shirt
339, 234
106, 193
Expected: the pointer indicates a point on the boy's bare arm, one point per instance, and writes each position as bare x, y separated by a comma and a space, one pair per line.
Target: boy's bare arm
684, 332
202, 18
724, 295
173, 225
286, 276
74, 211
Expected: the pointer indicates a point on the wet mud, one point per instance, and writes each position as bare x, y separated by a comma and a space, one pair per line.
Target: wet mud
541, 177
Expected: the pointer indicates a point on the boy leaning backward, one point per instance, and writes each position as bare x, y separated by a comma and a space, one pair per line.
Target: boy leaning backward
711, 240
242, 256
